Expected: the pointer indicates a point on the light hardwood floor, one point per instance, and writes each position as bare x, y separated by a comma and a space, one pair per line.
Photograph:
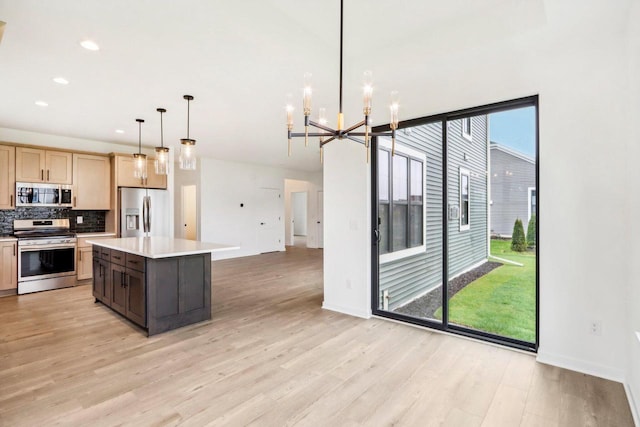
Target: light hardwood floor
272, 356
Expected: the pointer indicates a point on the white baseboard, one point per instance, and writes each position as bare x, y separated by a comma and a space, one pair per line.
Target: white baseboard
634, 404
583, 366
365, 314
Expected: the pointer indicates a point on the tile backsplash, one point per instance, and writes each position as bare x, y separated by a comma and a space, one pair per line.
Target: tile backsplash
92, 221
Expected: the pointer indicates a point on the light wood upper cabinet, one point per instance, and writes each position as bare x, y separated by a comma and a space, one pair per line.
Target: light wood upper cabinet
125, 178
30, 164
7, 177
92, 182
8, 265
58, 167
35, 165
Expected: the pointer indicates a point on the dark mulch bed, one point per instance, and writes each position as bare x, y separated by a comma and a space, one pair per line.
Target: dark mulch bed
425, 306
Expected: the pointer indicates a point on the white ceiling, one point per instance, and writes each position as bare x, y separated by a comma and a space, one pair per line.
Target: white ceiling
237, 58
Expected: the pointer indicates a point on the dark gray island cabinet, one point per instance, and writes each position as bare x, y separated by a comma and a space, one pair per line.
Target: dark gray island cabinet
158, 283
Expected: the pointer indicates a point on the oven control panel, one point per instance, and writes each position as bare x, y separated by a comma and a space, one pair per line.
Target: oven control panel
39, 242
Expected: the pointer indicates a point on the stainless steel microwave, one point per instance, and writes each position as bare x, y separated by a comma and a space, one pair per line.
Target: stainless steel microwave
35, 194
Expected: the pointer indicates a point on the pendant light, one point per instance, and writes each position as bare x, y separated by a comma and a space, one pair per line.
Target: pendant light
162, 152
188, 146
140, 160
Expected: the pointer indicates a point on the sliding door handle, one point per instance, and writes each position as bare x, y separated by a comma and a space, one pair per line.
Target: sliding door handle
376, 233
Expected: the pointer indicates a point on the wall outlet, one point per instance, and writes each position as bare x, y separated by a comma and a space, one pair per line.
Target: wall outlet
595, 327
78, 220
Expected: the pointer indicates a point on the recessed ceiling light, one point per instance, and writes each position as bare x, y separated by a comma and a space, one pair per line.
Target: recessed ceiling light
119, 131
89, 45
41, 104
61, 80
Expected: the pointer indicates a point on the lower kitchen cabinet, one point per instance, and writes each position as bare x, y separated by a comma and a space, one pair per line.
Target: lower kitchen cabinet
127, 287
158, 294
101, 282
84, 264
8, 266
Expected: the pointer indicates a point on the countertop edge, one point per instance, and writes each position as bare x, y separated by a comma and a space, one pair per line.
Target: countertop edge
162, 255
8, 239
97, 234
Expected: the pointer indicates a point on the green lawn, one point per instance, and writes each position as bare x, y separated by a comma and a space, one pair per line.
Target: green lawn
502, 302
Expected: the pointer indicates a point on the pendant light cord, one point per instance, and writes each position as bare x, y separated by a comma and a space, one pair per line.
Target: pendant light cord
139, 137
188, 103
341, 19
161, 132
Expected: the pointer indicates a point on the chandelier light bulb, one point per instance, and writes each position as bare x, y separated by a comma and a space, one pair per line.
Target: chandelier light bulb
393, 108
306, 94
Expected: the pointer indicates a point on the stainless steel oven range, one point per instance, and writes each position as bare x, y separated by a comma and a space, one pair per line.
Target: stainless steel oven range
46, 254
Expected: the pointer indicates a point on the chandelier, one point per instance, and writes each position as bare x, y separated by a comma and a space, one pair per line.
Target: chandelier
329, 134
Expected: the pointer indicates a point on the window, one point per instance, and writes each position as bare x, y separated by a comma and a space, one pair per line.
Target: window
465, 205
466, 128
401, 204
532, 201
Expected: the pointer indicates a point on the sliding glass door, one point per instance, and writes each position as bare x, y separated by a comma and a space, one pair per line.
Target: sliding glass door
455, 208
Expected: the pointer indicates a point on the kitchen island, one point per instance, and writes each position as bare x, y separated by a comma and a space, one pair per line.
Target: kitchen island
158, 283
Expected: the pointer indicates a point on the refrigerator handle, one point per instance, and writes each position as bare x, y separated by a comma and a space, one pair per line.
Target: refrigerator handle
146, 213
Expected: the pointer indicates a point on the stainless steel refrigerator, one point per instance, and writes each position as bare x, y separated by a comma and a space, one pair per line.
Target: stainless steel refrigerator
144, 212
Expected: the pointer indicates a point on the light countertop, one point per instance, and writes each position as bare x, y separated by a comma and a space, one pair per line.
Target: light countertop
98, 234
161, 247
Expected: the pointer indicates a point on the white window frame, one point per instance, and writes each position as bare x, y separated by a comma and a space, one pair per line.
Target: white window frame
467, 173
529, 190
463, 130
419, 155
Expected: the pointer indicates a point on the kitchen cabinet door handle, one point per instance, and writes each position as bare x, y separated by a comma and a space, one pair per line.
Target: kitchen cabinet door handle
74, 201
11, 201
47, 174
80, 254
14, 249
42, 174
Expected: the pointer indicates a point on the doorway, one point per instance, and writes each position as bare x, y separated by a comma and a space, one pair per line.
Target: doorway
189, 212
455, 212
299, 218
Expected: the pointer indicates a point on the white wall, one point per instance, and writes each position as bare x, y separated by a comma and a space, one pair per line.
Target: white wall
347, 228
574, 56
225, 186
633, 210
312, 189
299, 213
65, 142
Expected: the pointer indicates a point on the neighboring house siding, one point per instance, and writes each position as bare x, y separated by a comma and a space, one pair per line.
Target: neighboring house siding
511, 178
413, 276
468, 247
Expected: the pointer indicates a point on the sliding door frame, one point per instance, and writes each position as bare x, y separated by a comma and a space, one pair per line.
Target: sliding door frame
529, 101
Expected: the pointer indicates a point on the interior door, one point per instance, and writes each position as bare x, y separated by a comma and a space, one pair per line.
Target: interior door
270, 208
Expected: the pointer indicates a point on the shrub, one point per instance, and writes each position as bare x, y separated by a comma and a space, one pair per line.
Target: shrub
531, 232
518, 242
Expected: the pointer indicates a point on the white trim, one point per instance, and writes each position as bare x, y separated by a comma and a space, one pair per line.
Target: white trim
529, 202
465, 135
356, 312
422, 156
582, 366
634, 404
467, 172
